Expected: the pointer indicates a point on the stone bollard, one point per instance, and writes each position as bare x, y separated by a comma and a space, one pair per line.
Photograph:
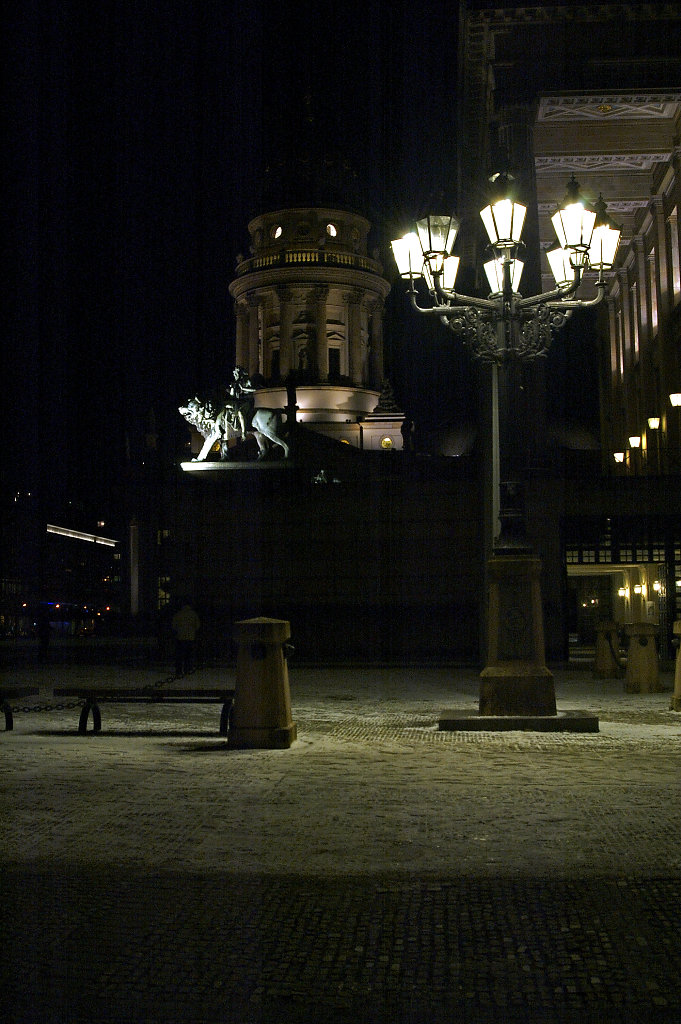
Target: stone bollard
606, 665
643, 668
261, 716
676, 697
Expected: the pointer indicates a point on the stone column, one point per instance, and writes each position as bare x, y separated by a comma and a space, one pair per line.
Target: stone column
661, 249
286, 362
320, 357
253, 365
241, 334
354, 299
638, 245
376, 370
611, 432
626, 334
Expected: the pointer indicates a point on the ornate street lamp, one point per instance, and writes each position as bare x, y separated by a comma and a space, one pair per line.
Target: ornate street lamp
507, 328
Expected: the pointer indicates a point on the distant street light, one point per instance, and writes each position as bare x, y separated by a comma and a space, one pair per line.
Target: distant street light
507, 328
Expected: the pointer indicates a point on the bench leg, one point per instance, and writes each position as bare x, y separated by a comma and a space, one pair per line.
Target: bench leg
225, 716
90, 705
9, 720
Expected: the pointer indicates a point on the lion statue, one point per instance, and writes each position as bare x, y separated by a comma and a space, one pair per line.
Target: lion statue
219, 423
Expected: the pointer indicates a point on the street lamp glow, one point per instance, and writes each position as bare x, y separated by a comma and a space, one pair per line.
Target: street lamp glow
675, 399
408, 255
503, 222
495, 274
654, 422
604, 240
561, 267
446, 268
437, 234
618, 456
574, 222
635, 441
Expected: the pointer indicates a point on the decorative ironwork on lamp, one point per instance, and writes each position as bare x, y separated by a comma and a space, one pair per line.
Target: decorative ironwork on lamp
505, 324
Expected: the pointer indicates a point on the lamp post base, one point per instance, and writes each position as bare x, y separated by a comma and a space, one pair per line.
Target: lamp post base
516, 680
515, 689
458, 720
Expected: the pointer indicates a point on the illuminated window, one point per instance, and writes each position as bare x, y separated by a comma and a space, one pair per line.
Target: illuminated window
275, 231
331, 230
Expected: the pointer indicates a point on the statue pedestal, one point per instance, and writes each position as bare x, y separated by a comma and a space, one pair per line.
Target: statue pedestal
516, 680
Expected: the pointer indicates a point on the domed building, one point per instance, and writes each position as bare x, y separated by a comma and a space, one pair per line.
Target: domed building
309, 306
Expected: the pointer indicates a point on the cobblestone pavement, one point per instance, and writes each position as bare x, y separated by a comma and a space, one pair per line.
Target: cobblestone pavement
378, 871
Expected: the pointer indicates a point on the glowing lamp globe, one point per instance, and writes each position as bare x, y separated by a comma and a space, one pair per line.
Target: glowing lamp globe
494, 269
408, 255
561, 267
605, 239
503, 222
437, 234
574, 222
447, 268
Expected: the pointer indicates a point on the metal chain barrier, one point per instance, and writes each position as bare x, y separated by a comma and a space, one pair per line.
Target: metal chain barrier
28, 708
38, 708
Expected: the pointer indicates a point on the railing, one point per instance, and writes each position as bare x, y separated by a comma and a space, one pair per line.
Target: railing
301, 257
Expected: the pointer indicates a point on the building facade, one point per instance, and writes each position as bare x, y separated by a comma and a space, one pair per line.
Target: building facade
550, 91
309, 308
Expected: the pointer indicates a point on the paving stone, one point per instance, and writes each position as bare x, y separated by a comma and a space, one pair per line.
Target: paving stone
378, 871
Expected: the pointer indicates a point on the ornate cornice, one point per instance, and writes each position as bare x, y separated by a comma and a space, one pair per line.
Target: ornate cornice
629, 206
608, 106
601, 162
500, 17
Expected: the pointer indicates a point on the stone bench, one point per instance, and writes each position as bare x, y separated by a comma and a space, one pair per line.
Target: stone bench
94, 698
12, 693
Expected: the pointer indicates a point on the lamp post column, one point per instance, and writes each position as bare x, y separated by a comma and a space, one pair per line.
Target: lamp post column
515, 680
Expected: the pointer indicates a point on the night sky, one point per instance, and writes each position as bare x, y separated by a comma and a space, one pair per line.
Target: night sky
139, 140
